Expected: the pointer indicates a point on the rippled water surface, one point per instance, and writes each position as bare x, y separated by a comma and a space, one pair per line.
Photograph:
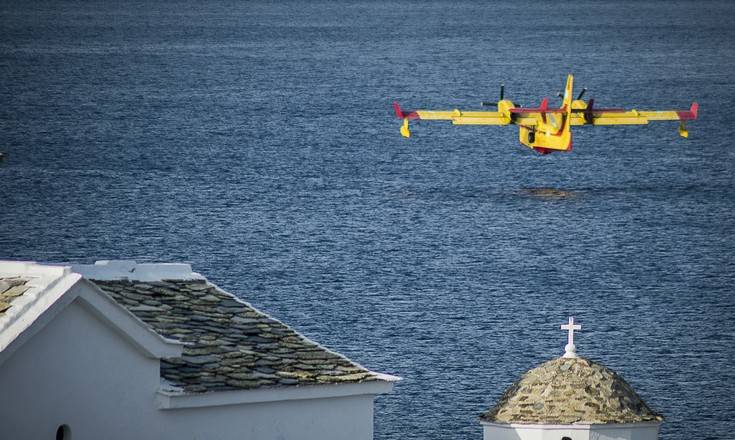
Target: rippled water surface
255, 140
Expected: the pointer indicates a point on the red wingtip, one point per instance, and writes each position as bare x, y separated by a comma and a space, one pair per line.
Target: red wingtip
408, 114
397, 108
691, 114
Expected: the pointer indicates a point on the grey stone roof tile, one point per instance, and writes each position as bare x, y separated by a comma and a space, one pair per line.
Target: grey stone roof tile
229, 344
10, 289
567, 391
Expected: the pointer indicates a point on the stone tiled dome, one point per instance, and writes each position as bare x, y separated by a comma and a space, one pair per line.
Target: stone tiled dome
570, 390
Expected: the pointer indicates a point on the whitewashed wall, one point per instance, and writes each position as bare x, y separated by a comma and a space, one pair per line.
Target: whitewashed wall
78, 371
343, 418
641, 431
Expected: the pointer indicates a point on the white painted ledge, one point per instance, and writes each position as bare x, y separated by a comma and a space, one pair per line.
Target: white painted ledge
172, 400
108, 270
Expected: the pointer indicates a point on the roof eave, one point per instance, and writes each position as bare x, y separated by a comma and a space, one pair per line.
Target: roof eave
175, 400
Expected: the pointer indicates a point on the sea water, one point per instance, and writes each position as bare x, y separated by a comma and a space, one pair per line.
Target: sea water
256, 141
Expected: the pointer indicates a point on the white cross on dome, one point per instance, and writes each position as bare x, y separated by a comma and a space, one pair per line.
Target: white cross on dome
570, 351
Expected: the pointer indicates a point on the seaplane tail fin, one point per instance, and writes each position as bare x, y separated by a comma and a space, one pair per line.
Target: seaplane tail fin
566, 129
568, 96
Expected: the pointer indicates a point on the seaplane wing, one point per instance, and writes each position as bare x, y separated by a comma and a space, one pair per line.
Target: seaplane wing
458, 117
615, 116
586, 114
546, 129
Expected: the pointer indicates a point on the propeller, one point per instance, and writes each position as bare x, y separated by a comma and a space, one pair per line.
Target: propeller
588, 111
495, 104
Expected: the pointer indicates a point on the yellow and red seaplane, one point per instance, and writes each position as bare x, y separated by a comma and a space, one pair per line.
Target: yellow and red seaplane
545, 129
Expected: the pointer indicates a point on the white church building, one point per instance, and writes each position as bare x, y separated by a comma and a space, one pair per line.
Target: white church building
570, 398
119, 350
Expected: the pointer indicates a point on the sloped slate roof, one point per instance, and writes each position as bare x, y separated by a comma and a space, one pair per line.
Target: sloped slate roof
230, 345
11, 288
570, 390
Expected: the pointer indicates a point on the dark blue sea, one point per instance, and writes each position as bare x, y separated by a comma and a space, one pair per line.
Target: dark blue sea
256, 141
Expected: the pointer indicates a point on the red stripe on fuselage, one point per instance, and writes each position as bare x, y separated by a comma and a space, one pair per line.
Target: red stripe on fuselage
537, 110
